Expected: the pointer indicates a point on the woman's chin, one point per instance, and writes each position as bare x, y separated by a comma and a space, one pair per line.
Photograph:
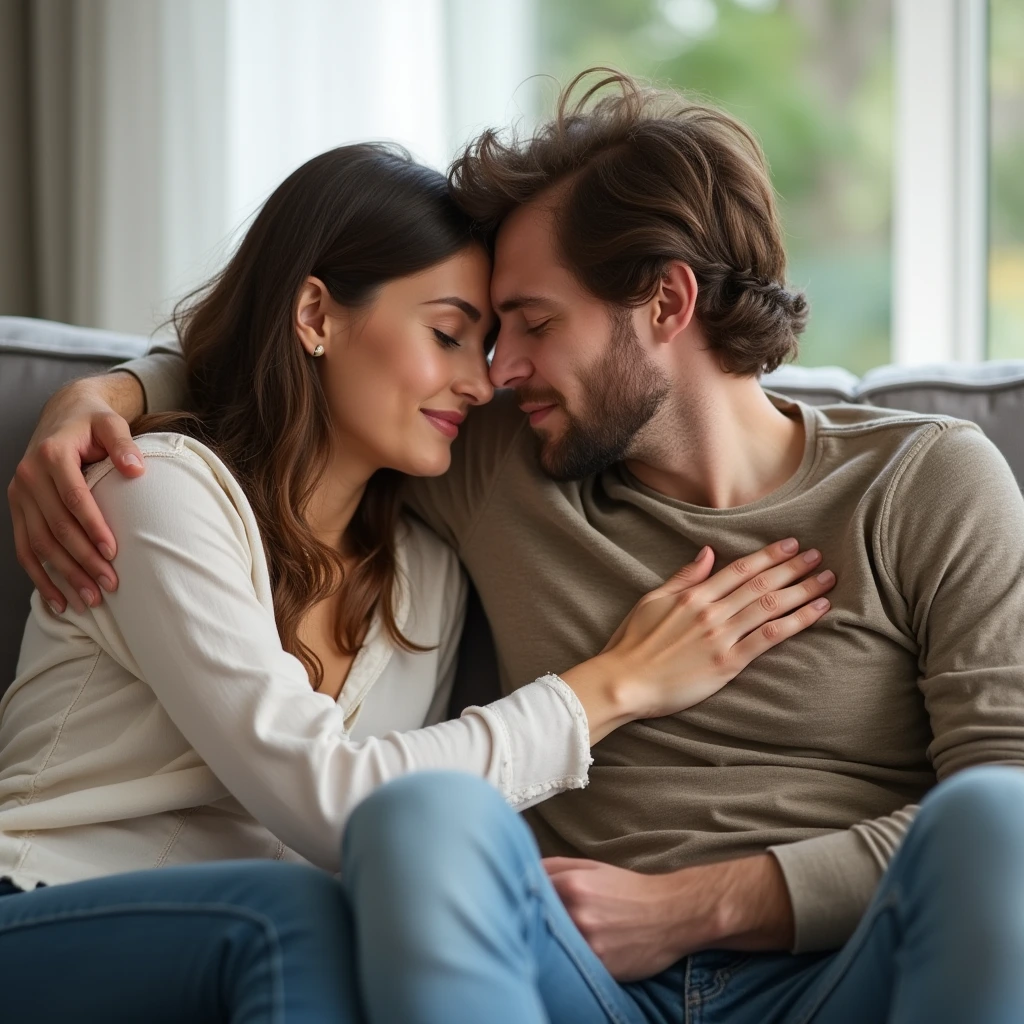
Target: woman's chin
427, 463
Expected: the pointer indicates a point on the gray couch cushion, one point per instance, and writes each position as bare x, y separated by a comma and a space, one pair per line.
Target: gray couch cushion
36, 359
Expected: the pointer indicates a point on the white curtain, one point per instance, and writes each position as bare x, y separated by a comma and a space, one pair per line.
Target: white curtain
144, 133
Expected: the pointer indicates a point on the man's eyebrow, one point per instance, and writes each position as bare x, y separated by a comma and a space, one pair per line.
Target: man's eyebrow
510, 305
453, 300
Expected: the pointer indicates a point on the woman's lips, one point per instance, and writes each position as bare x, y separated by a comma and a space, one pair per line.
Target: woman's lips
447, 427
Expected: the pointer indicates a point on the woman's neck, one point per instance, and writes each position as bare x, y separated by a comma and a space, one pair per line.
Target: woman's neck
335, 500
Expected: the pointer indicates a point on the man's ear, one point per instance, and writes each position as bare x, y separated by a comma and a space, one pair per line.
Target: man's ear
674, 302
312, 310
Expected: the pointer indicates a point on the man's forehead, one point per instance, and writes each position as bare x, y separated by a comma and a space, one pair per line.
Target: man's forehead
529, 227
524, 253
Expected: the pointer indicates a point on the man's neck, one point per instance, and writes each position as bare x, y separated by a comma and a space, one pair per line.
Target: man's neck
720, 449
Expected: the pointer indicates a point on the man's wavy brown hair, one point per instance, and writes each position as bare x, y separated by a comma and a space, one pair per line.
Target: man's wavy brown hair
355, 217
646, 177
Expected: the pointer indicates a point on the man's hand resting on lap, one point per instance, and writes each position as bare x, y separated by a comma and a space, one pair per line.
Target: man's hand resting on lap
55, 517
640, 924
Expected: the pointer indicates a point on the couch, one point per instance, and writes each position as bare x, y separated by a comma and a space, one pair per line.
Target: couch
37, 357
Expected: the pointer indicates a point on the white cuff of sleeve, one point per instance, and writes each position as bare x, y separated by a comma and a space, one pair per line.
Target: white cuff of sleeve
543, 730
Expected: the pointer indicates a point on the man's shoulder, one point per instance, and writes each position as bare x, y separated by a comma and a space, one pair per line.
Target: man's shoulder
849, 420
923, 460
895, 435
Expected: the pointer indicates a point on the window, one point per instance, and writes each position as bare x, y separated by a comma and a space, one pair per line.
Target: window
1006, 181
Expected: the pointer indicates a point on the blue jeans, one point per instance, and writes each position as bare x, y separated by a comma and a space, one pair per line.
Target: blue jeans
445, 914
457, 922
250, 942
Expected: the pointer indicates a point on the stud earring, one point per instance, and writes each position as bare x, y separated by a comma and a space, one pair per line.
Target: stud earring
318, 351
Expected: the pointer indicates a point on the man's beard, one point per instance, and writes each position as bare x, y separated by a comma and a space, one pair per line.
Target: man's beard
619, 396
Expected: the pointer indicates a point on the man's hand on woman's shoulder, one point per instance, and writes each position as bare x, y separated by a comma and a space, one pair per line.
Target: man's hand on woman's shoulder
55, 517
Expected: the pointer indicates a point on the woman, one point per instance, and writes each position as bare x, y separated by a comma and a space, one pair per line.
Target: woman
282, 641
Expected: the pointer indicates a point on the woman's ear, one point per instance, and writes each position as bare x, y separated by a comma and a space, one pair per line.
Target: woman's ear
313, 311
674, 302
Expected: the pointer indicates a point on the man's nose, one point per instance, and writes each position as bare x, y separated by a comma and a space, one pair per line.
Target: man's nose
509, 368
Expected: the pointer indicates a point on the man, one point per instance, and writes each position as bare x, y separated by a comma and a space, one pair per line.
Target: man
640, 279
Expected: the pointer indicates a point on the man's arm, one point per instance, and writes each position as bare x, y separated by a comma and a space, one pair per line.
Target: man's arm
950, 551
55, 517
640, 924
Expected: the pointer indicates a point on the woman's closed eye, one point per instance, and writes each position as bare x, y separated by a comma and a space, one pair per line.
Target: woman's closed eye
445, 339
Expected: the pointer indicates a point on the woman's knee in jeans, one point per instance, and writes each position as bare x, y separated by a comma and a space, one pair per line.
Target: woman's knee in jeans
451, 811
288, 896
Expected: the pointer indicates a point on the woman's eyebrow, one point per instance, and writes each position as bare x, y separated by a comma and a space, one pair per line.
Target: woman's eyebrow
453, 300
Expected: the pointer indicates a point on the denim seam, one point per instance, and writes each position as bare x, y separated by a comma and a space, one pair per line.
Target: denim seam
722, 977
263, 924
535, 894
697, 997
687, 1002
847, 954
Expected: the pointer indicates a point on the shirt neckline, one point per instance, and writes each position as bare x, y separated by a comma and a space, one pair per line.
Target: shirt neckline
809, 416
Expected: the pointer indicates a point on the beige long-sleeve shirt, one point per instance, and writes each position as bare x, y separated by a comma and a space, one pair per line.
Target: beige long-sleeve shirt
820, 749
169, 726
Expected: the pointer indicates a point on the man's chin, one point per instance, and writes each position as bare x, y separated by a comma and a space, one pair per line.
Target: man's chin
550, 456
558, 465
567, 459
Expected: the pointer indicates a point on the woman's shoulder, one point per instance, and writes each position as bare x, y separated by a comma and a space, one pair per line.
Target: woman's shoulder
182, 475
174, 455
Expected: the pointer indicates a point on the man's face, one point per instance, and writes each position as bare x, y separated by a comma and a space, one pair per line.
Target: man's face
579, 370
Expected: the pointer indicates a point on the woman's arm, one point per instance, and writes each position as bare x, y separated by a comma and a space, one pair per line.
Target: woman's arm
193, 620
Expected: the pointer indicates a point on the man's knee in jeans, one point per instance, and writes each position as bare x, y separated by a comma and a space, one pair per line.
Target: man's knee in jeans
976, 804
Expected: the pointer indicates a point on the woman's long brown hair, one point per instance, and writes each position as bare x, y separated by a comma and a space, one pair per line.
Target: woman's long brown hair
355, 217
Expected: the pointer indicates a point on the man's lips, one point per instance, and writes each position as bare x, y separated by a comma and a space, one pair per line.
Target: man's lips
537, 411
445, 421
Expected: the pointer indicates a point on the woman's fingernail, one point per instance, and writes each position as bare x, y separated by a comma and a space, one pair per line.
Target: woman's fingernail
821, 604
87, 596
812, 556
131, 460
789, 546
826, 577
107, 552
700, 554
106, 583
55, 608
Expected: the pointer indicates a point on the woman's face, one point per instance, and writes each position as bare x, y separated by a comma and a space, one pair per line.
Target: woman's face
401, 375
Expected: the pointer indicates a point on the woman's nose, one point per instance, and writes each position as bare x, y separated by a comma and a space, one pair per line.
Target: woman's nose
477, 387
